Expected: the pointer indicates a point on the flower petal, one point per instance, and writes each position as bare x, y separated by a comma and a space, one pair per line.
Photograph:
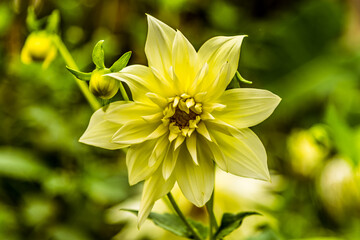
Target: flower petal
184, 60
170, 161
203, 130
158, 47
154, 188
137, 161
191, 146
160, 150
141, 80
139, 131
196, 181
123, 112
216, 52
246, 107
244, 153
100, 131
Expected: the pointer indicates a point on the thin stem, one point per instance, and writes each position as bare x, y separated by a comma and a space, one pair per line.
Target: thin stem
182, 217
71, 63
212, 218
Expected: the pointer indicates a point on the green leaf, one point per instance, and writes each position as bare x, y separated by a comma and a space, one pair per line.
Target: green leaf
98, 55
53, 22
200, 228
32, 23
20, 164
342, 134
80, 75
174, 224
265, 233
231, 222
121, 62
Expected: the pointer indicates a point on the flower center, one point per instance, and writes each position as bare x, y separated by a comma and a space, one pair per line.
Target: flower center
182, 115
181, 118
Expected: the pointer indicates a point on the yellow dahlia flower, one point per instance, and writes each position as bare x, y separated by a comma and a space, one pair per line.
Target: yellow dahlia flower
182, 121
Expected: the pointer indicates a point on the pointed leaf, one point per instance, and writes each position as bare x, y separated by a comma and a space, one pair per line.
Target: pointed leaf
231, 222
200, 228
80, 75
98, 55
174, 224
31, 22
121, 62
53, 22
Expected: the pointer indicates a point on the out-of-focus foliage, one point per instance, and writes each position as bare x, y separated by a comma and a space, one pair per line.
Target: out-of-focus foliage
307, 52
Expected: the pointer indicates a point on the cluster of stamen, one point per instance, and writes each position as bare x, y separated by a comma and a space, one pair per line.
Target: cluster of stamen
182, 115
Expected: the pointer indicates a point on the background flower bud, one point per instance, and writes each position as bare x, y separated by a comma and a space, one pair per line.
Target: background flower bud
38, 47
103, 86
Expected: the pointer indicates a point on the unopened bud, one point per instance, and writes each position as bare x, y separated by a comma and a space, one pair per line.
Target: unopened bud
39, 47
103, 86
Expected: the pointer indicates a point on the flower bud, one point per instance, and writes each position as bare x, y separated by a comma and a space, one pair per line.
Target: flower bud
38, 47
103, 86
308, 149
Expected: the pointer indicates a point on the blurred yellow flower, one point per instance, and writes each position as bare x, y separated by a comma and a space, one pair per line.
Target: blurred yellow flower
39, 46
307, 149
182, 120
339, 189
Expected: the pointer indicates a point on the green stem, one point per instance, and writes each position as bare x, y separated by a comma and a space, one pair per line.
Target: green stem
182, 217
71, 63
212, 218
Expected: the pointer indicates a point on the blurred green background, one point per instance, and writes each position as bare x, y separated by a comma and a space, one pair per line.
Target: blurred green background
306, 51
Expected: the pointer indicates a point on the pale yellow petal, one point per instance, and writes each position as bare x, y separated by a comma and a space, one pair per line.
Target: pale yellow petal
138, 131
159, 100
100, 131
216, 152
123, 112
160, 150
203, 131
158, 47
195, 181
244, 153
170, 161
184, 60
137, 159
216, 52
140, 80
154, 188
191, 146
246, 107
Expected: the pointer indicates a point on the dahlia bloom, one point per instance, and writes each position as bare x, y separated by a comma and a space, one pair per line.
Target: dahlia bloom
182, 122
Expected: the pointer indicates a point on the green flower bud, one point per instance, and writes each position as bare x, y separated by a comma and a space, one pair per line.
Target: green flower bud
103, 86
39, 46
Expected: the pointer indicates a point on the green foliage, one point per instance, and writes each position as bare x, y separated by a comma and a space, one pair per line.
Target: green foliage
231, 222
98, 55
20, 164
80, 75
121, 62
53, 22
342, 135
174, 224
